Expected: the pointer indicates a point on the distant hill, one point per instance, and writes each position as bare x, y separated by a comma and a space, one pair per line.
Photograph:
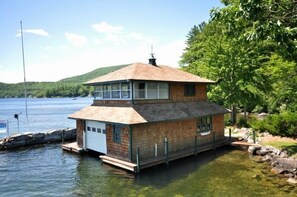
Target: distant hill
68, 87
91, 75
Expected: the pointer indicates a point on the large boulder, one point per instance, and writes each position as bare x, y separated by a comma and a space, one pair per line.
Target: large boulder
15, 144
288, 164
37, 138
53, 136
20, 137
253, 149
69, 134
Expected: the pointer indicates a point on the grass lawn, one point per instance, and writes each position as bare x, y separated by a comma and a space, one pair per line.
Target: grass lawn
290, 146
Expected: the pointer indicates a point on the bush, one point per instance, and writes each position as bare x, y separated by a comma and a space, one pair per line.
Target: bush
228, 122
242, 123
284, 124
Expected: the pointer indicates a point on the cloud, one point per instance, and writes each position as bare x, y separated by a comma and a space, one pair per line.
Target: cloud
39, 32
75, 39
64, 47
103, 27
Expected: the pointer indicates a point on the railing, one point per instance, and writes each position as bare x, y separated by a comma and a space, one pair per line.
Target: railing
179, 150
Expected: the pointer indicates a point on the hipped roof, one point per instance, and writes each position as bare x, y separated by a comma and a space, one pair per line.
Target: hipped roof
148, 72
148, 113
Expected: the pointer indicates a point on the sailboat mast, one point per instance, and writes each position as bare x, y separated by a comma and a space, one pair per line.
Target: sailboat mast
25, 83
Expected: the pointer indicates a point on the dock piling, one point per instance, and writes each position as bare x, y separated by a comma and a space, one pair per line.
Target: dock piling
137, 160
196, 146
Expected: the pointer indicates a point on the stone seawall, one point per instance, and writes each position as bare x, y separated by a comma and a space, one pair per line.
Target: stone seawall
30, 139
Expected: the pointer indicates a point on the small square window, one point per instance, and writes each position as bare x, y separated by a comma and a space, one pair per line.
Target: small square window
98, 130
88, 128
189, 89
103, 131
204, 124
117, 134
93, 129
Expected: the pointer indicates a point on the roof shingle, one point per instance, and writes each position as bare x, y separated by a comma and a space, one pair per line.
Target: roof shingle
146, 113
148, 72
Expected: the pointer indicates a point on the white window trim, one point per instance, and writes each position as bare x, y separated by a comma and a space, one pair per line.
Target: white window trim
146, 91
110, 92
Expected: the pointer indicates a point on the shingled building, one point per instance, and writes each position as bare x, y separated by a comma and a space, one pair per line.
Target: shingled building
146, 114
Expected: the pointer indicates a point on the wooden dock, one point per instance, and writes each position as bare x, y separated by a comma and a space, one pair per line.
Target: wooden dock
242, 143
72, 147
136, 167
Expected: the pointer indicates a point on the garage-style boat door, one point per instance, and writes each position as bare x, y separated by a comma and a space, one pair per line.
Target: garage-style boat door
95, 136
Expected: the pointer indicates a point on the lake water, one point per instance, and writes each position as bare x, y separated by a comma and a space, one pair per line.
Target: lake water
46, 170
43, 114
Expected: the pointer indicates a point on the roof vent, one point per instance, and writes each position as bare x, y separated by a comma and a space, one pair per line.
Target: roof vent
152, 60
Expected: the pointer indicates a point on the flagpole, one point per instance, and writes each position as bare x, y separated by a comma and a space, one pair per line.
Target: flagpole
25, 83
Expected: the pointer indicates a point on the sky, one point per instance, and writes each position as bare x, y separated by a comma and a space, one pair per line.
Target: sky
64, 38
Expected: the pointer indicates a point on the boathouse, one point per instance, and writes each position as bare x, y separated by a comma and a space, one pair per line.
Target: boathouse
146, 114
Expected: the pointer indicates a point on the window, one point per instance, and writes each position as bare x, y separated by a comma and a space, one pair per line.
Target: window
204, 124
125, 90
117, 134
189, 89
115, 90
103, 131
140, 90
88, 128
98, 130
106, 91
93, 129
111, 91
151, 90
163, 91
98, 92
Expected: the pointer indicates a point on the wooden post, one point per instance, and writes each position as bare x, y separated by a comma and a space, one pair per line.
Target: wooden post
214, 140
254, 136
137, 160
229, 134
63, 136
196, 146
166, 150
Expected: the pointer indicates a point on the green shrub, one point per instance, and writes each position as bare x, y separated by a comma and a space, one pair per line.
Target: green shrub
242, 123
228, 122
284, 124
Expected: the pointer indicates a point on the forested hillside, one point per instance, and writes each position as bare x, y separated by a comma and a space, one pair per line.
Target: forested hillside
69, 87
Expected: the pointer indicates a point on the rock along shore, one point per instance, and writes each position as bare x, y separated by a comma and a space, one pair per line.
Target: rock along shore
30, 139
279, 160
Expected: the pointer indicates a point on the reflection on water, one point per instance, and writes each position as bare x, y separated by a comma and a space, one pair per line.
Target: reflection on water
48, 171
225, 172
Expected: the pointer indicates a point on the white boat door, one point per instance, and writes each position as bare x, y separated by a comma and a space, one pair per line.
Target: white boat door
95, 136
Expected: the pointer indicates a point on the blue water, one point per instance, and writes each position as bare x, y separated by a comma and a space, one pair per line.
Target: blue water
46, 170
43, 113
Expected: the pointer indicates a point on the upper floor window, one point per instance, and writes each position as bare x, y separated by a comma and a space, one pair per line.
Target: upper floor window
189, 90
151, 90
114, 91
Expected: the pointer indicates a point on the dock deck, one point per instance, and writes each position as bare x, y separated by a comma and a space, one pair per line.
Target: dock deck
72, 147
146, 163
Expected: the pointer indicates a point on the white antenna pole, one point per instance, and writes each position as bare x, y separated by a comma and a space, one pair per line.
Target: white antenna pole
24, 68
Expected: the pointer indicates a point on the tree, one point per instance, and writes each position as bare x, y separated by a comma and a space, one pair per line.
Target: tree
263, 20
236, 65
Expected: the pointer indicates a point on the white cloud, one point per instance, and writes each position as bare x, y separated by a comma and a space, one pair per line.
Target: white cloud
64, 47
136, 36
39, 32
103, 27
75, 39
